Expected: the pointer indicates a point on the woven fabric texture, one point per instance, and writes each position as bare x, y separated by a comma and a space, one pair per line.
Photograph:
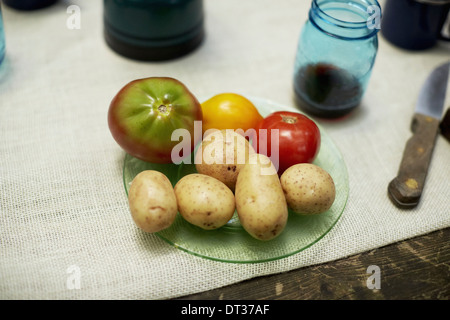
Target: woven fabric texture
64, 212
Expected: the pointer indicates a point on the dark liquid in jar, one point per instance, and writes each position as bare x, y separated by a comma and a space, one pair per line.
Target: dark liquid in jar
325, 90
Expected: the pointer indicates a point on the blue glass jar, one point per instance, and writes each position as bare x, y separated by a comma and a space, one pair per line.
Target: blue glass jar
335, 56
2, 37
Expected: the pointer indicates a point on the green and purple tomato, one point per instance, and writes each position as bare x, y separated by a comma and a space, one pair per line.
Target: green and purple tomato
145, 112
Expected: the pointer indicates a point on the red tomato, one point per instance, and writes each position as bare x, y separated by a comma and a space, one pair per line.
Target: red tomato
298, 139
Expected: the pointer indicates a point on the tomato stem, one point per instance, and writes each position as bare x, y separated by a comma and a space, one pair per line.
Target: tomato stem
164, 109
289, 119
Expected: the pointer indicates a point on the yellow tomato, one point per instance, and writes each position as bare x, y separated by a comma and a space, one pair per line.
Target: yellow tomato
230, 111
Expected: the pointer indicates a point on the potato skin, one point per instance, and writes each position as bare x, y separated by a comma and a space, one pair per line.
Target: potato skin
308, 188
260, 202
152, 201
224, 166
204, 201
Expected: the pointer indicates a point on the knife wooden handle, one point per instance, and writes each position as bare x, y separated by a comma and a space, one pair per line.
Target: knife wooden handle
406, 189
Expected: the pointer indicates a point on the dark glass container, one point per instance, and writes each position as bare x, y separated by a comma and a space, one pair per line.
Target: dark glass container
28, 4
153, 29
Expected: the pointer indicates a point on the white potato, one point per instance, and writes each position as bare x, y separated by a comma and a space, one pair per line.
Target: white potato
308, 188
204, 201
260, 202
152, 201
222, 155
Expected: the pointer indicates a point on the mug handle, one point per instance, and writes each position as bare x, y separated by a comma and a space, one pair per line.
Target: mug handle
445, 29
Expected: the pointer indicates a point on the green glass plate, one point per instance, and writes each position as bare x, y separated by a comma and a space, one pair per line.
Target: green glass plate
231, 243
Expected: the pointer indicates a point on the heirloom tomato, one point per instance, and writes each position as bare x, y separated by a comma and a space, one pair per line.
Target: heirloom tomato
298, 139
145, 112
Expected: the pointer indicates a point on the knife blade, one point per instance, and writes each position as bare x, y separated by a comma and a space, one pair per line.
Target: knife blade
406, 188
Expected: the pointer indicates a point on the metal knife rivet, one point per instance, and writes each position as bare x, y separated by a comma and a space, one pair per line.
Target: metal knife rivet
420, 150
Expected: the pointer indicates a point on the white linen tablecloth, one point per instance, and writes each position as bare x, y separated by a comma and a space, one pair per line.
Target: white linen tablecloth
64, 212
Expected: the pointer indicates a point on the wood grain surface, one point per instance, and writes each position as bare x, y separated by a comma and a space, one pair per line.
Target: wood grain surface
414, 269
